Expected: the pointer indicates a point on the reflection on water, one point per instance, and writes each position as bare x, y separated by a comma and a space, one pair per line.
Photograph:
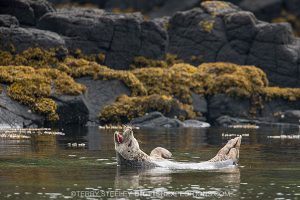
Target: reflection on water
45, 166
136, 178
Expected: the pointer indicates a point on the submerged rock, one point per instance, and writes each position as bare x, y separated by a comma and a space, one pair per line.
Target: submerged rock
231, 121
291, 116
195, 124
156, 119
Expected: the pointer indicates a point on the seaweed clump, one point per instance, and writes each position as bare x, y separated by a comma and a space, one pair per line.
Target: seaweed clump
38, 57
126, 108
181, 80
155, 85
290, 94
81, 67
35, 57
207, 25
33, 87
142, 62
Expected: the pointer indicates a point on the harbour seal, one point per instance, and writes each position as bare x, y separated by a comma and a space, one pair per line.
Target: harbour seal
129, 154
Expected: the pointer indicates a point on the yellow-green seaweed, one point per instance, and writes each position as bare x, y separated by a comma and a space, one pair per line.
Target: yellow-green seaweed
126, 108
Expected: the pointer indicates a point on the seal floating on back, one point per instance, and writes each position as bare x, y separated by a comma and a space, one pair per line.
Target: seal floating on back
129, 154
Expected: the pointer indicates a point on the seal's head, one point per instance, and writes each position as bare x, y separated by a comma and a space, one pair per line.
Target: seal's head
125, 144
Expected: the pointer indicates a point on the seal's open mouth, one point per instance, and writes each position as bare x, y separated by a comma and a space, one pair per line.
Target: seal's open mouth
118, 138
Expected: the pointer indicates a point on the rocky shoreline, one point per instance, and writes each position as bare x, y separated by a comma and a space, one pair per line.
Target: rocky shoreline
213, 32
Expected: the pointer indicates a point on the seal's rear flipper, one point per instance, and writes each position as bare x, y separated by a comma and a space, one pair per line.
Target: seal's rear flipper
229, 151
160, 153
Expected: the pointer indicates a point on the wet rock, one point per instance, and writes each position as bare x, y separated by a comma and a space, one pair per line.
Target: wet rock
156, 119
236, 111
221, 104
195, 124
291, 116
199, 103
226, 121
26, 11
24, 38
120, 36
100, 93
275, 108
71, 110
225, 33
8, 21
14, 114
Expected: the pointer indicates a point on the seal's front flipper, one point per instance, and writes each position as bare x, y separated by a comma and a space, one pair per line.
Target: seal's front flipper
160, 153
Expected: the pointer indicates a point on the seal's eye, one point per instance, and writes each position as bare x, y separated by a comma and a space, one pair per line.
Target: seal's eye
130, 143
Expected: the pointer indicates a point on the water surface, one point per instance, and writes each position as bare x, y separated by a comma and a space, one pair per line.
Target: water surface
46, 167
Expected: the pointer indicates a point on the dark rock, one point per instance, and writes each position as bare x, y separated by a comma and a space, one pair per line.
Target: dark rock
120, 36
14, 114
169, 7
133, 4
228, 121
126, 41
195, 124
26, 11
8, 21
276, 107
231, 35
40, 7
265, 10
22, 38
228, 111
71, 110
100, 93
199, 103
292, 6
20, 9
156, 119
154, 39
82, 28
221, 104
291, 116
